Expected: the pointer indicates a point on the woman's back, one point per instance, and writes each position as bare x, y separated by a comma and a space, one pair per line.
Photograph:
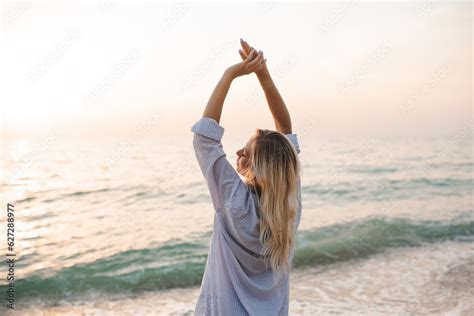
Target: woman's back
236, 280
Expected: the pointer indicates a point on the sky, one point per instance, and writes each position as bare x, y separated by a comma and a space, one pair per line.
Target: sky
355, 68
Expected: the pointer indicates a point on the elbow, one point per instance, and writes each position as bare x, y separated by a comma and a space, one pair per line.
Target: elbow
285, 129
196, 141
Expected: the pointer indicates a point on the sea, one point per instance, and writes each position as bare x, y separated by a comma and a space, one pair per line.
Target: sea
123, 228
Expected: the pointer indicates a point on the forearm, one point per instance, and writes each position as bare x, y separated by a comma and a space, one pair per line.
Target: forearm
277, 106
216, 101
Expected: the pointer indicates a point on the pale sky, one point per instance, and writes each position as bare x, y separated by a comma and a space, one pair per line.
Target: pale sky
354, 68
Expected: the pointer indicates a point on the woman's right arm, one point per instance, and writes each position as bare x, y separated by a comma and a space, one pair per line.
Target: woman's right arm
277, 106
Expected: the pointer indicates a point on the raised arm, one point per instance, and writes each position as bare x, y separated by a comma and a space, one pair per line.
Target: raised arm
229, 194
277, 106
216, 101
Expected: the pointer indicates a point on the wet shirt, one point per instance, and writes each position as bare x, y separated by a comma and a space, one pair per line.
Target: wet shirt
236, 280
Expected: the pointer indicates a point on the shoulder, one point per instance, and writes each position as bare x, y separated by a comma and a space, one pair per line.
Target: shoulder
294, 140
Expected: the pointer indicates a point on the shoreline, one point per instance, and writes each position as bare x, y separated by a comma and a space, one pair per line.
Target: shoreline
402, 280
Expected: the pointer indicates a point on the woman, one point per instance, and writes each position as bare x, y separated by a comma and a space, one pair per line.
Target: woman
255, 221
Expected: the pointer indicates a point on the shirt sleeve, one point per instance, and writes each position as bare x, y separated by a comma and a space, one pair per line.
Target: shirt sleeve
225, 186
294, 140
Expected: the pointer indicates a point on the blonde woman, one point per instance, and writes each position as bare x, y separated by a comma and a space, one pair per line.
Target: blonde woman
255, 221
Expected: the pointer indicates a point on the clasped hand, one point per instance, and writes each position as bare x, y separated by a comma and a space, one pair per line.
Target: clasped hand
252, 61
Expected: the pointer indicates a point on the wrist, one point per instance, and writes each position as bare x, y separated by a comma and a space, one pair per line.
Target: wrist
264, 78
263, 74
229, 74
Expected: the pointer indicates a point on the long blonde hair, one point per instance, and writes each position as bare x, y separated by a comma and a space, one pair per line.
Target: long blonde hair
273, 172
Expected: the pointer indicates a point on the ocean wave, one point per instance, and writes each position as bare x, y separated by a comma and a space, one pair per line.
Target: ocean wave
359, 239
379, 190
373, 170
180, 263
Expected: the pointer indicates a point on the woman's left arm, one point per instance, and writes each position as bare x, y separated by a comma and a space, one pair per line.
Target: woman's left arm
216, 101
226, 188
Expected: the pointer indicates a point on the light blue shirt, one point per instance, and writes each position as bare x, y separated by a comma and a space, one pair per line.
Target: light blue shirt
236, 280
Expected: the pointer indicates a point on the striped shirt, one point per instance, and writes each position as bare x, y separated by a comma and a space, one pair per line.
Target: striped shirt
236, 280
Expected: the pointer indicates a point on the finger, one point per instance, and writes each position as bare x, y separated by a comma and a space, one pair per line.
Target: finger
253, 49
257, 60
260, 66
253, 67
254, 62
258, 56
262, 59
242, 54
250, 56
245, 46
